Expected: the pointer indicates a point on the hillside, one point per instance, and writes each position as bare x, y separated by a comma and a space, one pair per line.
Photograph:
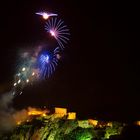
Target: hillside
61, 126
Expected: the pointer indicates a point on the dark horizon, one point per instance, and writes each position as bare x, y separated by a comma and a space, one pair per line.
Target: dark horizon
99, 71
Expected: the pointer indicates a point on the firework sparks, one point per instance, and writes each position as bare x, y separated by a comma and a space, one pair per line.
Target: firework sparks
34, 68
23, 69
48, 63
58, 30
46, 15
39, 63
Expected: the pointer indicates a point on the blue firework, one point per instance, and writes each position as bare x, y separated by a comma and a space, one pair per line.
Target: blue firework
48, 63
58, 30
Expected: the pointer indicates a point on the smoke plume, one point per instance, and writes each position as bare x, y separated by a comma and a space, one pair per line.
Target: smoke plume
10, 118
6, 120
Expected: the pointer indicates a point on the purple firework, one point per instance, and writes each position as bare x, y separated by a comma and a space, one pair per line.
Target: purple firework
58, 30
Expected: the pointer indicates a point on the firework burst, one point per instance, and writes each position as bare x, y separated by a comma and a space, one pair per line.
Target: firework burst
48, 63
38, 63
46, 15
58, 30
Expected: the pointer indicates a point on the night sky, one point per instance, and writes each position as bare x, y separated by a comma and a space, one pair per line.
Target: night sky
99, 71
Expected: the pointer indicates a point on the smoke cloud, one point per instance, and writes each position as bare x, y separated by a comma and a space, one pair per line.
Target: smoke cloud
6, 120
10, 118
